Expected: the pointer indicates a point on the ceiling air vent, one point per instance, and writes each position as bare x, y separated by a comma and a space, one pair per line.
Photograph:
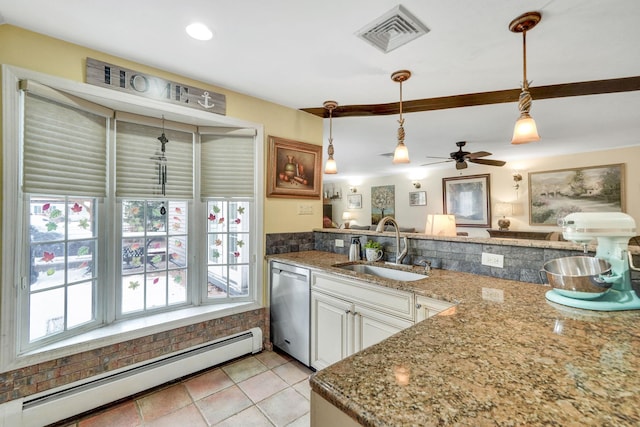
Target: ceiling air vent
393, 29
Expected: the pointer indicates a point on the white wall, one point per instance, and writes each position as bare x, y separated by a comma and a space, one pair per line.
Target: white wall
501, 187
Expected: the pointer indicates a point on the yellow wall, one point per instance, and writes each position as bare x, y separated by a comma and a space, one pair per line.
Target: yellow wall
44, 54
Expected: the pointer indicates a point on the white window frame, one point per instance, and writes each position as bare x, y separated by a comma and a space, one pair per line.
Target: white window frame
13, 225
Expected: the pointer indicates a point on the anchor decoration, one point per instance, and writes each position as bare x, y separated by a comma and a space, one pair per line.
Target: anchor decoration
206, 103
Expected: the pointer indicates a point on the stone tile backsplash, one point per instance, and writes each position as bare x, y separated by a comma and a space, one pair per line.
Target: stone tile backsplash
282, 243
520, 262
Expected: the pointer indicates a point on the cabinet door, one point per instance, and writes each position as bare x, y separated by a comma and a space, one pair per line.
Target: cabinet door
371, 327
331, 330
427, 307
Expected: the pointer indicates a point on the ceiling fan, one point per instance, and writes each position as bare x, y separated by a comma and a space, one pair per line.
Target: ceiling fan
461, 158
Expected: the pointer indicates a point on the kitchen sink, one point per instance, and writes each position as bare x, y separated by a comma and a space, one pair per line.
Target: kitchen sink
387, 273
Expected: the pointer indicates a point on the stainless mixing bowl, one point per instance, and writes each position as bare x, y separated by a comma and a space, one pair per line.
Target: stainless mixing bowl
578, 277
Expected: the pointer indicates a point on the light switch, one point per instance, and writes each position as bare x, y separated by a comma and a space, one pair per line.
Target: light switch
305, 209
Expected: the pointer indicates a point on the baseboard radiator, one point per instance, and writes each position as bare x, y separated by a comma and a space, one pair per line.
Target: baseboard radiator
75, 399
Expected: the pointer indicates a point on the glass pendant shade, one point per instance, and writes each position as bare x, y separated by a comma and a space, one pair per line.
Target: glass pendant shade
401, 154
525, 130
330, 167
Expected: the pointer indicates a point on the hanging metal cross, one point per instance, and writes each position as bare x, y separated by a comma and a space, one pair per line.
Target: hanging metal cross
162, 165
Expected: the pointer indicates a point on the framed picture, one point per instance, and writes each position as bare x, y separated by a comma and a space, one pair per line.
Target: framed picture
383, 202
467, 197
554, 194
354, 201
294, 169
417, 198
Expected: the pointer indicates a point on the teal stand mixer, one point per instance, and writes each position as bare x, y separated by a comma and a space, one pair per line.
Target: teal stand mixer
607, 291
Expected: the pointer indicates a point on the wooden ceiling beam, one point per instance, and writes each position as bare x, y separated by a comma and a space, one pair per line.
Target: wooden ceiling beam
594, 87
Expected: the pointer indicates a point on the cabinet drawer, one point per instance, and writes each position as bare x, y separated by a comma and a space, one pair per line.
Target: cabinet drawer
392, 301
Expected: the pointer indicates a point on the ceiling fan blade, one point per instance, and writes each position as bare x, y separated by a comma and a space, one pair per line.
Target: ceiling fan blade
435, 163
477, 154
488, 162
435, 157
461, 165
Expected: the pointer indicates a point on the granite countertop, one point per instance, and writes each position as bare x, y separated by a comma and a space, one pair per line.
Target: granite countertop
522, 361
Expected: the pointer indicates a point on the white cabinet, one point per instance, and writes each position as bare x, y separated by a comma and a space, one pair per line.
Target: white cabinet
331, 331
348, 316
427, 307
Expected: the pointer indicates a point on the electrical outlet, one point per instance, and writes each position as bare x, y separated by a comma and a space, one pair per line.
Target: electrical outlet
492, 294
339, 243
492, 260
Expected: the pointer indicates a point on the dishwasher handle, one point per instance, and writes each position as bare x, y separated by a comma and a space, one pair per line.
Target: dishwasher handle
290, 271
295, 276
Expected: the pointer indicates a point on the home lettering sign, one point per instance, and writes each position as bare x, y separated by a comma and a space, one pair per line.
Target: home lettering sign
125, 80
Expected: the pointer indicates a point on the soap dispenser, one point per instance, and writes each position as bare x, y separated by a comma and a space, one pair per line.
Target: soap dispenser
355, 249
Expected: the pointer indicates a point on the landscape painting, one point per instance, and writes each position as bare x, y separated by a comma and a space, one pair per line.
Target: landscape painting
555, 194
383, 202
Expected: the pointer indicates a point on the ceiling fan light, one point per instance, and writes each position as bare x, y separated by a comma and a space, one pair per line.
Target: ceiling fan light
401, 154
525, 130
330, 166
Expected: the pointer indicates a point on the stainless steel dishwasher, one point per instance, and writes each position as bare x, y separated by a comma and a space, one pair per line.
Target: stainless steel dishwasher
290, 310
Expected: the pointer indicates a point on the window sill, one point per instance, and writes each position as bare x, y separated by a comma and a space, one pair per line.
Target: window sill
129, 329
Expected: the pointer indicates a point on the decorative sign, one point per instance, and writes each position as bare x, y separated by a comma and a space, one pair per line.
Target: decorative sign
125, 80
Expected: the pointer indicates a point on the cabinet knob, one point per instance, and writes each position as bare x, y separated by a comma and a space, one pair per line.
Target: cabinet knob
347, 311
418, 306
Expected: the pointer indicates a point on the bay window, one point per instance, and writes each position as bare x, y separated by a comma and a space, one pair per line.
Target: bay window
100, 236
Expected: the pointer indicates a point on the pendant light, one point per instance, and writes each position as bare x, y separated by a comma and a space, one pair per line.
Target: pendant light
401, 154
330, 167
525, 130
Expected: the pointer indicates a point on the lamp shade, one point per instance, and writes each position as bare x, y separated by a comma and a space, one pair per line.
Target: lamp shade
440, 225
346, 216
504, 209
330, 167
525, 130
401, 154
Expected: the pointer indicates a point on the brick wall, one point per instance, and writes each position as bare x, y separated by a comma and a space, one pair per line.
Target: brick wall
45, 376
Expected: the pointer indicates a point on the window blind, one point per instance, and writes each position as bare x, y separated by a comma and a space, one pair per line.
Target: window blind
137, 151
65, 149
227, 162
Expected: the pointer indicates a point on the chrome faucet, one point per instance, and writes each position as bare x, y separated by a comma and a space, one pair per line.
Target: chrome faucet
380, 228
426, 263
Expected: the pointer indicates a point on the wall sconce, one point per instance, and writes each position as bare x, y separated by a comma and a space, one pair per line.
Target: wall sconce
504, 209
353, 189
416, 184
346, 217
516, 180
440, 225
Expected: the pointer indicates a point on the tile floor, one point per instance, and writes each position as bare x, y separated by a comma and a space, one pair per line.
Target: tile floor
266, 389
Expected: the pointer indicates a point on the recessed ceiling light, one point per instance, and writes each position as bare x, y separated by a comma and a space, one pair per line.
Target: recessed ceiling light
199, 31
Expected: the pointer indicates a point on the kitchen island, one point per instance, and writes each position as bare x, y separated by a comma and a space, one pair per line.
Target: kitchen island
504, 356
